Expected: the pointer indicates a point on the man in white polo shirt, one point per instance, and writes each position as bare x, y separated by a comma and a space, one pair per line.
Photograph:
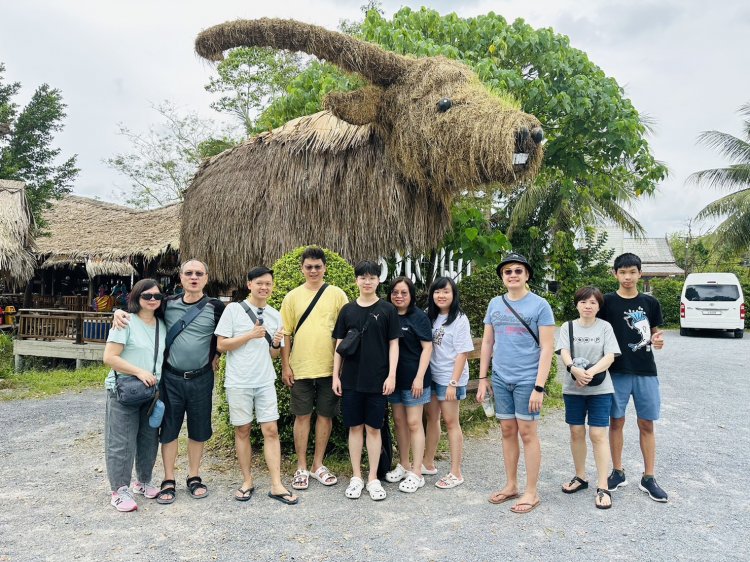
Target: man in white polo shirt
251, 334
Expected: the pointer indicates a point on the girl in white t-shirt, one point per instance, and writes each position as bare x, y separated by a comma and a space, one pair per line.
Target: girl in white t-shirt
452, 343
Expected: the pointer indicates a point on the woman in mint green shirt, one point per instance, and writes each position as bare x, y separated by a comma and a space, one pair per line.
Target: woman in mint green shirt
127, 435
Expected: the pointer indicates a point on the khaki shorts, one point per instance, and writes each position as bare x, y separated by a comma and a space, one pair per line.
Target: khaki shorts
242, 402
314, 393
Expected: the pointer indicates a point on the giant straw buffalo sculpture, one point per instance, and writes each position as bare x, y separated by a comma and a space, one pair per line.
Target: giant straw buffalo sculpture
374, 173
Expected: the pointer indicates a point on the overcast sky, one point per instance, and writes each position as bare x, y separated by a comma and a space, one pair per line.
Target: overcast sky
684, 63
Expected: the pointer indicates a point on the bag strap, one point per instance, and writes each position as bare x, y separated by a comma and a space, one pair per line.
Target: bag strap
312, 304
185, 321
156, 347
254, 319
570, 337
525, 325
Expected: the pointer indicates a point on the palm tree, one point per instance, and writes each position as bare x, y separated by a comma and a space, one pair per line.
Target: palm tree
734, 232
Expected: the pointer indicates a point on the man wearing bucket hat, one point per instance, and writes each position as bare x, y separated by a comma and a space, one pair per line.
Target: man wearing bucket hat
519, 332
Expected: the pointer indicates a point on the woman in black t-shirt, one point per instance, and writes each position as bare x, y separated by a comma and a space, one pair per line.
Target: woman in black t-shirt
412, 385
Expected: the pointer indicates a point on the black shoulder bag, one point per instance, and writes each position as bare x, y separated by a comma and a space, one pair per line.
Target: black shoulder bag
598, 378
521, 320
254, 319
130, 390
350, 344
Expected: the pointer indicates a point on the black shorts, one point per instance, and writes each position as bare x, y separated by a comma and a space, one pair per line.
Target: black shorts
363, 408
182, 396
317, 393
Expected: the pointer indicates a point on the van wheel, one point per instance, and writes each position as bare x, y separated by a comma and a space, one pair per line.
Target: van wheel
739, 334
684, 332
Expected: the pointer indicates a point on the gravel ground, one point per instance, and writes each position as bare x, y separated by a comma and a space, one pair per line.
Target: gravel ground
54, 503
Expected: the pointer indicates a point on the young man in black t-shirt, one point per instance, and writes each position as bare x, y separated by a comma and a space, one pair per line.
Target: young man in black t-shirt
635, 319
365, 378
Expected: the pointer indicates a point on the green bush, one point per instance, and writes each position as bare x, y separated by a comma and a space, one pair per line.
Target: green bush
287, 276
476, 291
746, 292
668, 292
6, 355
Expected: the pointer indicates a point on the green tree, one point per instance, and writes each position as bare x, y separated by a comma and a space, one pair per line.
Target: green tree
734, 231
164, 159
27, 153
251, 78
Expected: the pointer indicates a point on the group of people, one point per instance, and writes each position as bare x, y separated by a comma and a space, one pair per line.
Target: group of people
359, 356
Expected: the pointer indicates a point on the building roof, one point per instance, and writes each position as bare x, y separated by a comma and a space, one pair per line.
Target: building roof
655, 253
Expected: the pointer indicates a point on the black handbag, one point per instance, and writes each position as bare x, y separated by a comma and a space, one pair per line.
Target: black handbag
130, 390
598, 378
350, 344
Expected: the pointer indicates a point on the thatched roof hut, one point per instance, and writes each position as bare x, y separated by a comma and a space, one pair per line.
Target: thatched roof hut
106, 237
16, 244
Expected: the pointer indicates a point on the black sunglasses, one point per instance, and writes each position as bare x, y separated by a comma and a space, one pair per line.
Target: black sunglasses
152, 296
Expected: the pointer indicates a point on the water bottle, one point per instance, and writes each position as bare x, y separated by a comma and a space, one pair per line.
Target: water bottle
154, 420
489, 405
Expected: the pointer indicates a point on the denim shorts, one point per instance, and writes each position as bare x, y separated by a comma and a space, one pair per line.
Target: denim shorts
405, 397
512, 400
597, 406
243, 401
645, 392
439, 391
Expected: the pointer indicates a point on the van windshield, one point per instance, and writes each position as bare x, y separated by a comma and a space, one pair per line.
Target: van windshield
712, 293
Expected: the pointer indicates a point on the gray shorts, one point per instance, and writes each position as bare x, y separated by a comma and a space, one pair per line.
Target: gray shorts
309, 394
242, 402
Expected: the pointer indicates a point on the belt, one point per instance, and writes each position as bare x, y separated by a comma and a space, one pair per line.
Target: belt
187, 375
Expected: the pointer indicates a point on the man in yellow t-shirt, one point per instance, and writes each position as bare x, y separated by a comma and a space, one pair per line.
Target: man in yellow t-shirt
307, 365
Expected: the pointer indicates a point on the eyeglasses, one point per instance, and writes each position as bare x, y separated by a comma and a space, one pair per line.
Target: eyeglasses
399, 293
198, 274
152, 296
316, 267
517, 271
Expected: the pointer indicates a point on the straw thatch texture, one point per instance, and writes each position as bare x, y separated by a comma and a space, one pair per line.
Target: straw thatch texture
315, 180
370, 60
374, 174
16, 244
105, 235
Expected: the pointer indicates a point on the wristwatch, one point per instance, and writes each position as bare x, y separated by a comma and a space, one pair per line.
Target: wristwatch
539, 388
569, 367
453, 383
273, 346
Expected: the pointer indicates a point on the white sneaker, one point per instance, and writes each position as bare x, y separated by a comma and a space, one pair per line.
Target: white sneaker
396, 475
122, 500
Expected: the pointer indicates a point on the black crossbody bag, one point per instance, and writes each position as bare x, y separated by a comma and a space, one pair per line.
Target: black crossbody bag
598, 378
130, 390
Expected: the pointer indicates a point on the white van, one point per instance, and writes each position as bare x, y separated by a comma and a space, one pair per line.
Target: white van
712, 301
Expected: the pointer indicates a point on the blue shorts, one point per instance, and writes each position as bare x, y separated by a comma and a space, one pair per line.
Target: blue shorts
645, 392
512, 400
405, 397
597, 406
439, 391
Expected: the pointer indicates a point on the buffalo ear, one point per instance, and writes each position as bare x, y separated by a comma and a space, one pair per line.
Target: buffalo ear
359, 107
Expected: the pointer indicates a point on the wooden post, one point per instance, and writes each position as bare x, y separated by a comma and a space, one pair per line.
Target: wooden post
18, 362
79, 330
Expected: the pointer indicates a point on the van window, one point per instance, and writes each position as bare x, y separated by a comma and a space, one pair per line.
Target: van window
712, 293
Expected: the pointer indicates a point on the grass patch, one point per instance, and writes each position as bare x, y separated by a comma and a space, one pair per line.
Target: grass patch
38, 384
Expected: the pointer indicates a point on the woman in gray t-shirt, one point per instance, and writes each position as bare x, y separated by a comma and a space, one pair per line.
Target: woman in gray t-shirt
587, 389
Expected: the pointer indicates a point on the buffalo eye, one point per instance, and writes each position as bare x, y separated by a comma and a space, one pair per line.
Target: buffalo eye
444, 105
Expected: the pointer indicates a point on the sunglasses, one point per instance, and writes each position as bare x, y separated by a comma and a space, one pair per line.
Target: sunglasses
315, 267
517, 271
193, 273
152, 296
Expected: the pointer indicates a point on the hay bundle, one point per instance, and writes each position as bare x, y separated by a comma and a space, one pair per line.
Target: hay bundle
375, 173
16, 261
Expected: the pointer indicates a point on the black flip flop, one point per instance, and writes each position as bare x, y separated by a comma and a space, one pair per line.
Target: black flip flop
167, 488
600, 494
583, 485
282, 498
246, 494
195, 483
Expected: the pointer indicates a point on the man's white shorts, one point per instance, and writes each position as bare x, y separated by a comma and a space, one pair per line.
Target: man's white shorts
242, 401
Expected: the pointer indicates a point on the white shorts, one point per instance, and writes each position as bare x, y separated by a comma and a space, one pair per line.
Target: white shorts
242, 401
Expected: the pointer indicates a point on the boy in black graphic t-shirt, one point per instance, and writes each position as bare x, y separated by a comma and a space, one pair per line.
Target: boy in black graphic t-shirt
635, 319
365, 378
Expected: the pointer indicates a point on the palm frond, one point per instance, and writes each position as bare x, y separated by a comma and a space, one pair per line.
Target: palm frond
729, 146
737, 175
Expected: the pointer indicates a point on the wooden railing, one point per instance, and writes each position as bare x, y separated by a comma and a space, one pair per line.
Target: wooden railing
43, 301
77, 327
81, 304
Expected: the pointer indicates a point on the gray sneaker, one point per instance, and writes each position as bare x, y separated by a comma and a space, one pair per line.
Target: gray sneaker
616, 479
